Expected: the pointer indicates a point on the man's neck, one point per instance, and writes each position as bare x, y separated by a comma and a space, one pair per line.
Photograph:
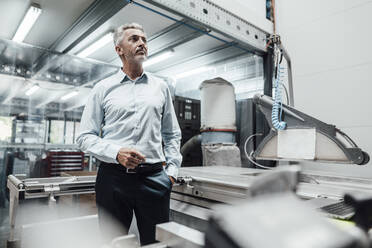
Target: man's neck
133, 71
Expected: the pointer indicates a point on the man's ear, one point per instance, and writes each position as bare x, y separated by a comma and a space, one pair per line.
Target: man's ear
119, 50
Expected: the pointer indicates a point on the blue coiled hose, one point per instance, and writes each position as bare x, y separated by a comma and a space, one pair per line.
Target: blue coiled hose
275, 118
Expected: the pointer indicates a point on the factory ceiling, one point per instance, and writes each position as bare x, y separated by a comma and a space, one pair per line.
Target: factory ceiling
47, 57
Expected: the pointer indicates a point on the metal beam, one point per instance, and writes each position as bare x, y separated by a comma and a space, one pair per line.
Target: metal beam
213, 17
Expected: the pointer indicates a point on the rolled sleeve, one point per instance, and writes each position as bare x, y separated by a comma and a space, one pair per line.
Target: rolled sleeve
171, 135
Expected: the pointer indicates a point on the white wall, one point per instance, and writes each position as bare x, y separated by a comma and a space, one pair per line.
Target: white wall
329, 42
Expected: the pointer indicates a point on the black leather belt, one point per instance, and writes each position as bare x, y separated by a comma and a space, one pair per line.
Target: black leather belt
140, 169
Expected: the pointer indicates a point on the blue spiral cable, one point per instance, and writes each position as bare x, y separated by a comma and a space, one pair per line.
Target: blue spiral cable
277, 105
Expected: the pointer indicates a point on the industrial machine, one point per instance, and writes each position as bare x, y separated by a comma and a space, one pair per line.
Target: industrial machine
199, 192
305, 138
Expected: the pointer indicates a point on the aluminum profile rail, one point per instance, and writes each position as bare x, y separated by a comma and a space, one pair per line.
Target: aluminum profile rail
217, 19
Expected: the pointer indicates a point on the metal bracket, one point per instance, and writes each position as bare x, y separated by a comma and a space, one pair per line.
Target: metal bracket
184, 180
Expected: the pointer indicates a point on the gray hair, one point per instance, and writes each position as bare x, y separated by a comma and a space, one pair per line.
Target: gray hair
119, 32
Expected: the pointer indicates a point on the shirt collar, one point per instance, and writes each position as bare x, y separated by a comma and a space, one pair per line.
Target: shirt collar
140, 79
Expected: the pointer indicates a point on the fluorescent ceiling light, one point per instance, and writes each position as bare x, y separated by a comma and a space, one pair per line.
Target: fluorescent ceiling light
69, 95
96, 45
28, 21
32, 90
193, 72
158, 58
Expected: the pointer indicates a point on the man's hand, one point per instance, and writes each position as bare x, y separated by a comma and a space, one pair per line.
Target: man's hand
172, 179
129, 158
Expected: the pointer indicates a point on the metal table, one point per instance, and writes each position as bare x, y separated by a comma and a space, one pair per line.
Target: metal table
20, 189
205, 187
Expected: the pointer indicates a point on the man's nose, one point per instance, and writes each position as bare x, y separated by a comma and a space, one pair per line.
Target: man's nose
141, 42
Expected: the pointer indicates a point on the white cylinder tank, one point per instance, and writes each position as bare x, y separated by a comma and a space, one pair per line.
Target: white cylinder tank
217, 105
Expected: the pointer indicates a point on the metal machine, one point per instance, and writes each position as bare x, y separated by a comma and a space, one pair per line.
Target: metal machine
200, 191
32, 188
305, 138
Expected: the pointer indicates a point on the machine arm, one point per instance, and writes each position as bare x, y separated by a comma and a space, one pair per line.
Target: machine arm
305, 138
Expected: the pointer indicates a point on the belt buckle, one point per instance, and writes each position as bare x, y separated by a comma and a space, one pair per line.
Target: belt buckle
131, 171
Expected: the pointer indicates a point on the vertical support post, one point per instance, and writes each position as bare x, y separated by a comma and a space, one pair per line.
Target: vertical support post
13, 206
46, 132
64, 128
90, 168
14, 130
261, 125
49, 129
268, 63
74, 132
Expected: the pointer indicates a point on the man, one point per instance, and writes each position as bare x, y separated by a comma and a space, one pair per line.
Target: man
134, 112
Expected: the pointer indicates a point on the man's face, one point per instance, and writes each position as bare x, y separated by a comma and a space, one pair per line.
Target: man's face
133, 46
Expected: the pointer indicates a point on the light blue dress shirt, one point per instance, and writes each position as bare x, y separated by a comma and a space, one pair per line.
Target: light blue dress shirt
136, 114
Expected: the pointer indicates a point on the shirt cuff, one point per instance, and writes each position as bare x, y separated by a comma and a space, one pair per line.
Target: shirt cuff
112, 153
172, 170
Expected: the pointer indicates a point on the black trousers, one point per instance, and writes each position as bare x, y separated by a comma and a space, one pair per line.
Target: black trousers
119, 194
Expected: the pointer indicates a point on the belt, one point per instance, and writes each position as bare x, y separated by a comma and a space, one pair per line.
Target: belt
140, 169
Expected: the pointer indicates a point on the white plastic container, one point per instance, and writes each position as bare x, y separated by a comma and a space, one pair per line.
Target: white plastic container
217, 105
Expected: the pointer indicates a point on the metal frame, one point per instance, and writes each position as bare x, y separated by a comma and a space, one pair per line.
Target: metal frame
298, 120
217, 19
226, 184
44, 188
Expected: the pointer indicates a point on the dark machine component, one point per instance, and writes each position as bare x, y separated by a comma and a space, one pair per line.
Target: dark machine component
249, 121
305, 138
246, 126
7, 169
188, 116
191, 144
362, 203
